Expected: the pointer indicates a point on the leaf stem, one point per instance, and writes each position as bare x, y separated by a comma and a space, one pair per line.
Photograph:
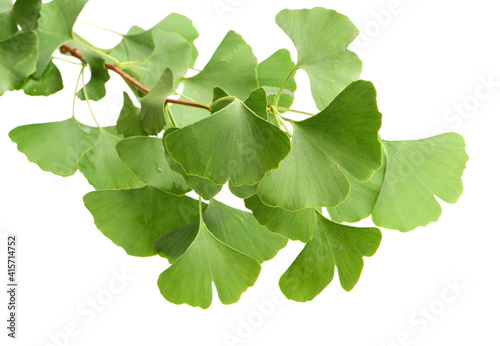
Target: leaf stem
293, 111
287, 79
97, 51
76, 89
100, 27
278, 119
225, 98
69, 61
87, 98
66, 49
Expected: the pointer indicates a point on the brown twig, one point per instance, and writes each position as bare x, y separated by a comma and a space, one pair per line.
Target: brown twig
67, 49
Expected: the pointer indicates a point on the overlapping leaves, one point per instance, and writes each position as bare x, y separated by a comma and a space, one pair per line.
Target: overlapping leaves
334, 159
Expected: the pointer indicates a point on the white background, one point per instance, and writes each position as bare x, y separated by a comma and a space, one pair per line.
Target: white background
425, 59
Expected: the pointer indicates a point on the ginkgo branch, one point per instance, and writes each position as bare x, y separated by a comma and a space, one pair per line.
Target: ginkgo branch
67, 49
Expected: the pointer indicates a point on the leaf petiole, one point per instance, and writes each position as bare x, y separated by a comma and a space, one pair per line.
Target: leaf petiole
87, 98
287, 79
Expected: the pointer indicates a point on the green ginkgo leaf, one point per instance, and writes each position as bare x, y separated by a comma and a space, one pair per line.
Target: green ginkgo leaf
153, 104
26, 13
103, 168
257, 102
207, 260
362, 197
242, 232
18, 58
345, 134
294, 225
171, 51
145, 156
138, 44
233, 144
235, 228
332, 245
129, 122
273, 71
415, 172
49, 82
57, 146
8, 25
322, 37
54, 29
96, 87
233, 67
243, 191
134, 218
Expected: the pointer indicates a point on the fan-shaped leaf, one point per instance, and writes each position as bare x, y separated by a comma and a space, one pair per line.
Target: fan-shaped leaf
416, 171
49, 82
103, 168
233, 144
134, 218
206, 260
55, 27
57, 146
153, 104
332, 245
321, 37
129, 122
345, 134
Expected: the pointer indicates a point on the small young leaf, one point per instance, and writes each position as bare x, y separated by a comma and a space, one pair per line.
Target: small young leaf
189, 279
332, 245
294, 225
145, 156
257, 102
103, 168
129, 122
345, 134
362, 197
243, 191
96, 87
153, 104
416, 171
49, 82
18, 58
233, 144
55, 27
134, 218
273, 71
203, 187
55, 147
321, 37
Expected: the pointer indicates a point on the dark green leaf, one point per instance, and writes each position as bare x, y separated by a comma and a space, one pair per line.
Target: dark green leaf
49, 82
345, 134
153, 104
233, 144
129, 122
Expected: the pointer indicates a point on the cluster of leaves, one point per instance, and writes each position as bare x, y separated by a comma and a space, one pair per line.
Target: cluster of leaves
238, 135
